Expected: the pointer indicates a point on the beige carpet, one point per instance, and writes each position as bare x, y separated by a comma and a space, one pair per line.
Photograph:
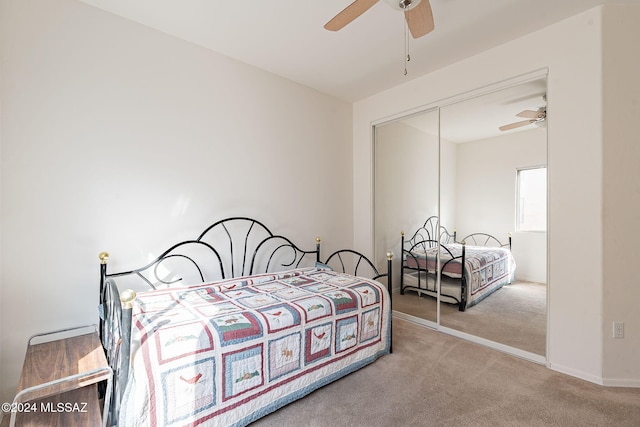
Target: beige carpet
433, 379
514, 315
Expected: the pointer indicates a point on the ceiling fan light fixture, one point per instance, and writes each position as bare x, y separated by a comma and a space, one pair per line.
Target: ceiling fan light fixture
403, 5
534, 117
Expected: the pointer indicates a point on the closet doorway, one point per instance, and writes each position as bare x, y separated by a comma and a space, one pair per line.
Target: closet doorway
452, 162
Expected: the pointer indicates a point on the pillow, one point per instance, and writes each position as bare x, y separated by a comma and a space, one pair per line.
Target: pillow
323, 266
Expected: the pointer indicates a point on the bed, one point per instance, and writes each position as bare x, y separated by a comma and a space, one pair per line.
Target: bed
271, 325
470, 270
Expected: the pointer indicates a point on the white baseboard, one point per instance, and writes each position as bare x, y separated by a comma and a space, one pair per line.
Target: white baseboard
621, 382
575, 373
606, 382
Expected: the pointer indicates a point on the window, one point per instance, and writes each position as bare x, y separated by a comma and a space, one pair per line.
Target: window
531, 208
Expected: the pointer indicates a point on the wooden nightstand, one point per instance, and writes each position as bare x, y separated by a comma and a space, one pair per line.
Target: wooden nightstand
59, 381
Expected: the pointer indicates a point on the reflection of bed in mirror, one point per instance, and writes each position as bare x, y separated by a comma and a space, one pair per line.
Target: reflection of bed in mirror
470, 270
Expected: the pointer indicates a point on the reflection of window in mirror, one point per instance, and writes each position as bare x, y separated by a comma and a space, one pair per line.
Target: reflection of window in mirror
531, 211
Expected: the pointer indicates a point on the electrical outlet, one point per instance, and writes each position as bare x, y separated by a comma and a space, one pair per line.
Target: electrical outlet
618, 329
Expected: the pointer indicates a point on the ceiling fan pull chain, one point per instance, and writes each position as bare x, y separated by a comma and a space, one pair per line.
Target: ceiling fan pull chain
407, 56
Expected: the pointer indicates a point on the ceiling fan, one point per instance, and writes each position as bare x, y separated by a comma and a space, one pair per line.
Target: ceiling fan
417, 13
532, 117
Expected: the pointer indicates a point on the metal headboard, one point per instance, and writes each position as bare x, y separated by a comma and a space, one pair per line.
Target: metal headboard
431, 231
232, 247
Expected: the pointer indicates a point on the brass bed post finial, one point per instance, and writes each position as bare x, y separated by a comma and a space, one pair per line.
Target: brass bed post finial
389, 255
104, 257
317, 248
126, 298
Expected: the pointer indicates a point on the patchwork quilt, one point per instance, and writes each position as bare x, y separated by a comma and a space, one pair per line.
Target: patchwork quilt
230, 352
486, 268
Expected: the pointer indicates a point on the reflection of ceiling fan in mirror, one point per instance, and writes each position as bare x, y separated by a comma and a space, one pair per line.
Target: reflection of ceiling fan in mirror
417, 13
532, 117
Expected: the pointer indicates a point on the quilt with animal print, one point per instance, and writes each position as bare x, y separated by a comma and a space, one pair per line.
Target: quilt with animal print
230, 352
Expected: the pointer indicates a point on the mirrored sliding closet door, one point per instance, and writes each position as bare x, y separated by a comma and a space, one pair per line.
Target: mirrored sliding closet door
468, 179
406, 194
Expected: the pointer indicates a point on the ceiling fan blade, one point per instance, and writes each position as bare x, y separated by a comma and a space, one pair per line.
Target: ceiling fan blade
516, 125
529, 114
348, 14
420, 19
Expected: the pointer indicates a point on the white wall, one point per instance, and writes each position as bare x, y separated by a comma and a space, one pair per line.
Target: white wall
572, 52
117, 137
621, 192
486, 190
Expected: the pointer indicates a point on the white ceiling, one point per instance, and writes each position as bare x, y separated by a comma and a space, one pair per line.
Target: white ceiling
287, 38
480, 117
